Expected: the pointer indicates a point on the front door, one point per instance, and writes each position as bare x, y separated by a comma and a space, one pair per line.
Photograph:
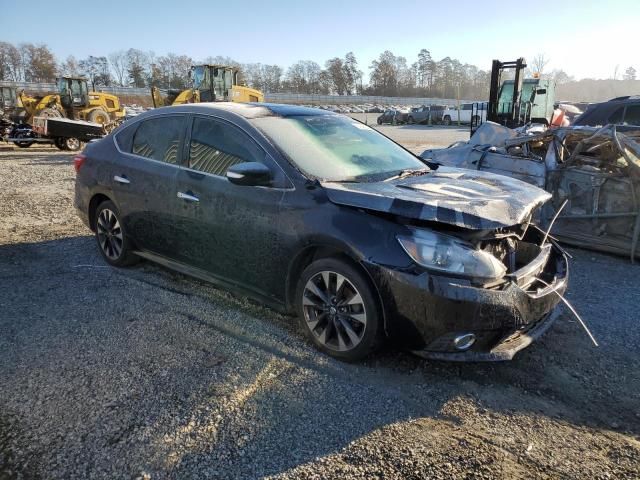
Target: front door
229, 230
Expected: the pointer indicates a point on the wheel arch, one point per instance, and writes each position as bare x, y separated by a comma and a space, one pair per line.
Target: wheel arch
317, 251
96, 200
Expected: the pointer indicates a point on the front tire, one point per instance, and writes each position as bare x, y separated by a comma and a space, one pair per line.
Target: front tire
338, 310
98, 115
113, 243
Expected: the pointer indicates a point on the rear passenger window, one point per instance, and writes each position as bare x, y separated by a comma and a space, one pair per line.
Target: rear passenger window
215, 146
158, 138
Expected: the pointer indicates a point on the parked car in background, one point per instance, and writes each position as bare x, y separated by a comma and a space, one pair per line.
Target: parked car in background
466, 114
318, 214
419, 114
437, 113
618, 111
393, 117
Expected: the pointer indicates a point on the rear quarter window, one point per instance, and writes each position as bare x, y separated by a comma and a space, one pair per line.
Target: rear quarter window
124, 137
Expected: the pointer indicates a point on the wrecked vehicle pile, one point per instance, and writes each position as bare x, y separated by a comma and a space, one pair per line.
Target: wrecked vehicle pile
596, 171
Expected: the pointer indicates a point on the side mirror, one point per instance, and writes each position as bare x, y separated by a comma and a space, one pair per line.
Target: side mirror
250, 174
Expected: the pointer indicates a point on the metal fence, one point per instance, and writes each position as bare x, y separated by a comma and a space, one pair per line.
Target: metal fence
297, 98
357, 99
51, 87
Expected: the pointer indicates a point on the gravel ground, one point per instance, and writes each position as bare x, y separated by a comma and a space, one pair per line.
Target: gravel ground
145, 373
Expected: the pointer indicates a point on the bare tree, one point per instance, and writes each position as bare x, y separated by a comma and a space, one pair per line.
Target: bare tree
172, 71
97, 70
38, 63
70, 67
629, 74
540, 61
119, 62
10, 62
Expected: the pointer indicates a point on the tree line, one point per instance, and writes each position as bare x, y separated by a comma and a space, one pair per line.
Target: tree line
388, 75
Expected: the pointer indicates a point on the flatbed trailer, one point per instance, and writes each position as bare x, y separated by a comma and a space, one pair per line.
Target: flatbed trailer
64, 133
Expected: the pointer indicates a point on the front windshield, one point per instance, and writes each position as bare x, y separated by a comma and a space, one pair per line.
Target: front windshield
337, 148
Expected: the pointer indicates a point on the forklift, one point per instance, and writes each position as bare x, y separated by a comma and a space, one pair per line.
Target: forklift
518, 101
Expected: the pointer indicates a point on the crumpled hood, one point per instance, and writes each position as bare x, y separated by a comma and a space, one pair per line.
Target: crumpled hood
465, 198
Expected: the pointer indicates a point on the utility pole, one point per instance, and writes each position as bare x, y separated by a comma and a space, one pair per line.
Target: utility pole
458, 99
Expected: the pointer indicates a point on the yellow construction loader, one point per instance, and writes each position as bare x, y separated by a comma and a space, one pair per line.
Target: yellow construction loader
73, 100
210, 83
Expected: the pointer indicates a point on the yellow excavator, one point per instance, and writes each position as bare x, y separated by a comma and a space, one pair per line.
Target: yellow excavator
210, 83
74, 100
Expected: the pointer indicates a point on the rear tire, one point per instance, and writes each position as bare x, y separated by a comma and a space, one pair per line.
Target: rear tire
71, 144
338, 310
113, 243
446, 120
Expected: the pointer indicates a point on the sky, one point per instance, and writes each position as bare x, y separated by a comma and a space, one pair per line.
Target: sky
586, 39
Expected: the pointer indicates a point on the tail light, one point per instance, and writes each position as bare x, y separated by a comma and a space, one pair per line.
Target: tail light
78, 160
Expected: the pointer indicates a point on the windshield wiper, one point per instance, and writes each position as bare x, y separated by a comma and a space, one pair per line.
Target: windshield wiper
410, 172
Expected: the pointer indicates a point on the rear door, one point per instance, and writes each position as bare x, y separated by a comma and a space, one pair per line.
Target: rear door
228, 230
145, 182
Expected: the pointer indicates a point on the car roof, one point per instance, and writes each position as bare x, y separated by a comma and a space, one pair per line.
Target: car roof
247, 110
599, 113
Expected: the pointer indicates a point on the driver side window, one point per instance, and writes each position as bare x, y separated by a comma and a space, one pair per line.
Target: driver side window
215, 146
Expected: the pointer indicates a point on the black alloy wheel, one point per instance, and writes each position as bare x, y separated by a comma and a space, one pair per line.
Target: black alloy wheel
114, 245
338, 309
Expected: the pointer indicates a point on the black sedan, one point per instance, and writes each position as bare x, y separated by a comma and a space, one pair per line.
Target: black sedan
316, 213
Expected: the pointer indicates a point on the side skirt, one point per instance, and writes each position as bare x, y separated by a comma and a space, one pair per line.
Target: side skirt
225, 284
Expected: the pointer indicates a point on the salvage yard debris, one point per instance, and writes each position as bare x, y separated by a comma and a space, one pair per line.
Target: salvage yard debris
596, 170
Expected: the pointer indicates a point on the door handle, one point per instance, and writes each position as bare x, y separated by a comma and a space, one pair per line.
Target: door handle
188, 197
120, 179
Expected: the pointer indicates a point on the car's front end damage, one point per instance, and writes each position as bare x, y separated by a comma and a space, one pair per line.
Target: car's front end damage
481, 281
465, 317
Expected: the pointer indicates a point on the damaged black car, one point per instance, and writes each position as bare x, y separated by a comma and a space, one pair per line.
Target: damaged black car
315, 213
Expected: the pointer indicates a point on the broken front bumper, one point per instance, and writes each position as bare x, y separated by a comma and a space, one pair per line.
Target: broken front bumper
426, 312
